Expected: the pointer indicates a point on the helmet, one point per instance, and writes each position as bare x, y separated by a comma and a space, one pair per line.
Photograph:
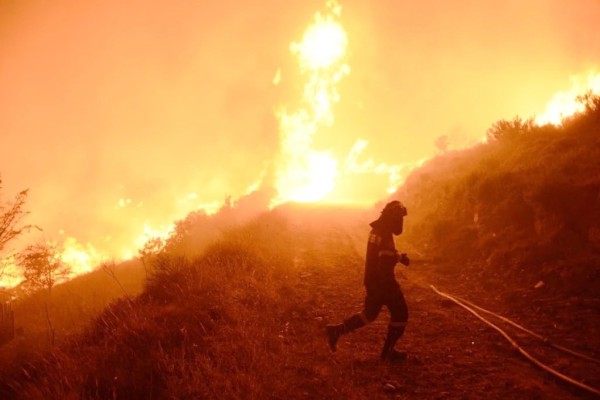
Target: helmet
393, 214
394, 207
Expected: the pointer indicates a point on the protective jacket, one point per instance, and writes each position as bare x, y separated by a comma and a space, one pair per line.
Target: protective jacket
380, 260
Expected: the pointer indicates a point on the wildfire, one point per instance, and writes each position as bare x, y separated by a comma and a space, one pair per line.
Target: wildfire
150, 233
81, 258
324, 43
10, 275
303, 173
565, 104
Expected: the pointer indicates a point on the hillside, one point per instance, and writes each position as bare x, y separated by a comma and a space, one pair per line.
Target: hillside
521, 208
239, 312
246, 320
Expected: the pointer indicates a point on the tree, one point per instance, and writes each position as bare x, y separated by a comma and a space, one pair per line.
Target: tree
153, 247
11, 214
590, 101
42, 269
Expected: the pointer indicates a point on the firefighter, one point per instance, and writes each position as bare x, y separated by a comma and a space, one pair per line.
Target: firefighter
380, 283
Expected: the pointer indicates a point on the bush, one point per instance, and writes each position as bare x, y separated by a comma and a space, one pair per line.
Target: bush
527, 197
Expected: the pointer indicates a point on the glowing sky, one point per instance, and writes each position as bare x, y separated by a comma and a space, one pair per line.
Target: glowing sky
119, 113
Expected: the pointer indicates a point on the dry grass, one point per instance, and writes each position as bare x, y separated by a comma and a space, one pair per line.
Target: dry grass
516, 207
207, 327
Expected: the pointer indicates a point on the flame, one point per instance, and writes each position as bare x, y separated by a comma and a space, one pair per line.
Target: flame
305, 174
84, 258
302, 173
324, 43
10, 274
565, 104
149, 233
81, 258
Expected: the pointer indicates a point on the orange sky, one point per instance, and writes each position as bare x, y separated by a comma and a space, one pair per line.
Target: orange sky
151, 101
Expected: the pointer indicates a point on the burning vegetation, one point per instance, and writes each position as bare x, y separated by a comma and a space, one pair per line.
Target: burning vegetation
231, 301
522, 206
223, 321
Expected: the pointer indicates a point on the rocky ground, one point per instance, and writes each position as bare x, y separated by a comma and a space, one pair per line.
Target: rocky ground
284, 355
451, 353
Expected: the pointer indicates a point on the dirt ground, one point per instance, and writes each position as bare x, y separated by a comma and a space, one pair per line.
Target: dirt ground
451, 354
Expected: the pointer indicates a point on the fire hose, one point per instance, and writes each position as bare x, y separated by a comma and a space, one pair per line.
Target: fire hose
544, 339
470, 307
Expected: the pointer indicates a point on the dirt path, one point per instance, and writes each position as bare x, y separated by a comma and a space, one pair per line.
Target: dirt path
452, 355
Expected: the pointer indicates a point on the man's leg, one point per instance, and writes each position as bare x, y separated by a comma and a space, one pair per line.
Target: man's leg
399, 317
372, 308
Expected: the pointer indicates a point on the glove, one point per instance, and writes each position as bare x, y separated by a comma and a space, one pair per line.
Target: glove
403, 259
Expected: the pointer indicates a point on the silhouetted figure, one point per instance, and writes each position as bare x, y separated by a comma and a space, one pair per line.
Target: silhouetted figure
380, 283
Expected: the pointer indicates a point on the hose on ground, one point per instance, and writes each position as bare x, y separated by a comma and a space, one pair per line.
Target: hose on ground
519, 348
536, 335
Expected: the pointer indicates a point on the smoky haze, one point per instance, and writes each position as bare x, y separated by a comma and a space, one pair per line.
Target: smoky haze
120, 113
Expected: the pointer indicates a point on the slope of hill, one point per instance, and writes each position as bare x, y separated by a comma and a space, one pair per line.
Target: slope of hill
523, 207
246, 321
243, 317
40, 319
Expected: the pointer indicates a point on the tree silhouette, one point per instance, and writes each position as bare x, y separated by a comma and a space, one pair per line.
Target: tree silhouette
42, 269
11, 216
152, 248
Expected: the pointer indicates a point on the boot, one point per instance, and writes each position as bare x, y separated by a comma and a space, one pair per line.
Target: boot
388, 353
335, 331
395, 356
333, 334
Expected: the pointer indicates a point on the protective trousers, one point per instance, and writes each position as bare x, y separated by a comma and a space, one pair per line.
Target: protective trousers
393, 299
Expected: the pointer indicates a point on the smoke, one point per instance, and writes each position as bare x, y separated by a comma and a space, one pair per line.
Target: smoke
118, 114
